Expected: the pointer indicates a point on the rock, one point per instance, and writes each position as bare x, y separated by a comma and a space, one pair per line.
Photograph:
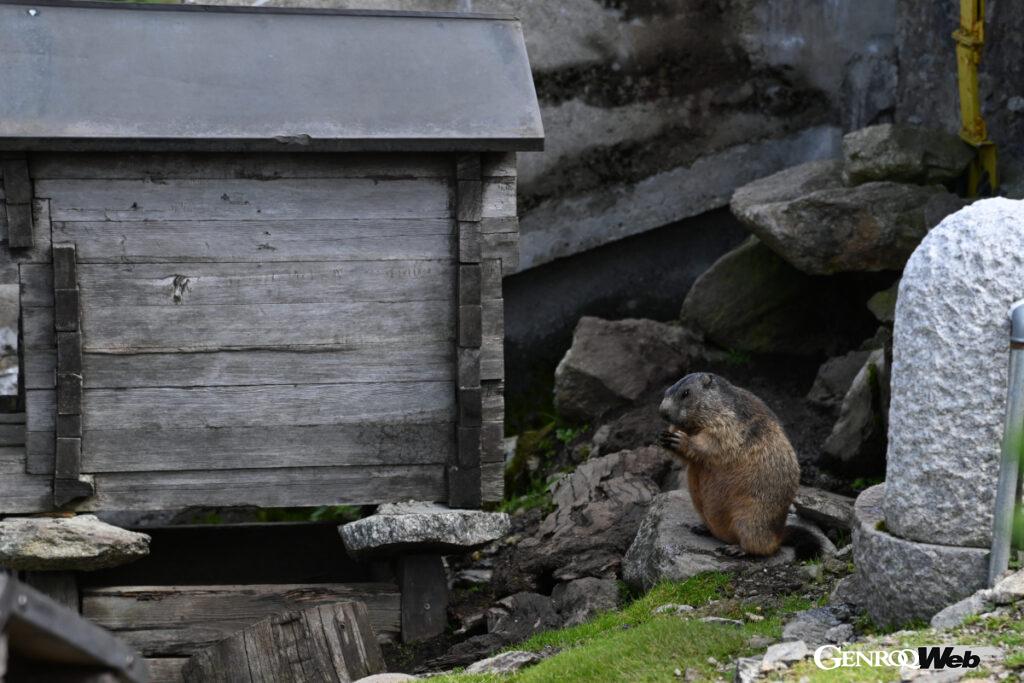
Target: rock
846, 592
949, 376
954, 615
673, 608
813, 625
870, 227
473, 577
751, 300
903, 153
424, 527
613, 363
633, 429
826, 509
505, 663
748, 669
665, 548
856, 445
80, 543
900, 580
781, 655
521, 615
883, 304
598, 509
580, 600
721, 621
834, 379
843, 633
1009, 589
387, 678
787, 185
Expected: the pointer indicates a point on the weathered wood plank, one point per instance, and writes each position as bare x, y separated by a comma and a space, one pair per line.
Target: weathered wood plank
254, 406
464, 487
22, 493
253, 166
467, 167
69, 393
470, 326
41, 410
492, 435
19, 226
37, 328
469, 200
429, 239
12, 435
470, 282
166, 669
66, 310
429, 361
282, 487
39, 252
492, 482
492, 358
493, 400
68, 463
16, 180
12, 459
244, 199
61, 587
501, 245
126, 329
178, 620
470, 243
65, 266
424, 586
365, 444
498, 198
498, 164
490, 277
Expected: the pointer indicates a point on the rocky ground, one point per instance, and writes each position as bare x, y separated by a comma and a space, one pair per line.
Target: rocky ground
801, 315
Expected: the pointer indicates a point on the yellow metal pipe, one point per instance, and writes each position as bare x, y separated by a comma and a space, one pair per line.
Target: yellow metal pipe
970, 38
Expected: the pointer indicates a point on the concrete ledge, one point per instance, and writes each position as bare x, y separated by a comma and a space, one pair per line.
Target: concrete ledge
422, 528
899, 580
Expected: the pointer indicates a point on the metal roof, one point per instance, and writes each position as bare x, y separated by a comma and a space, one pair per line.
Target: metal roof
111, 76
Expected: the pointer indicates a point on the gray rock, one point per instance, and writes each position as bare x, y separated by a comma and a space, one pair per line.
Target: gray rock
813, 625
598, 509
748, 669
505, 663
846, 592
903, 153
856, 445
665, 548
673, 608
81, 543
581, 600
954, 615
1009, 589
519, 616
843, 633
613, 363
824, 508
721, 621
899, 580
949, 375
781, 655
425, 527
870, 227
387, 678
834, 379
788, 185
752, 300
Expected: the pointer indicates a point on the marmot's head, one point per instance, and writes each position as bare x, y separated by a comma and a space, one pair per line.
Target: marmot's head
692, 402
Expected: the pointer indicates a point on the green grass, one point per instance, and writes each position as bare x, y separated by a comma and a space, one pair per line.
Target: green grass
634, 644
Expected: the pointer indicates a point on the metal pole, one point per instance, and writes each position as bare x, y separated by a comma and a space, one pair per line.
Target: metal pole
1008, 491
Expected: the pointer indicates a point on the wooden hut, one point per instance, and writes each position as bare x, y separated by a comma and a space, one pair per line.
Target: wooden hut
259, 254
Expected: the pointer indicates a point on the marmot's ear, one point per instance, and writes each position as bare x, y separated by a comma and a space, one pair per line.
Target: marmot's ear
707, 379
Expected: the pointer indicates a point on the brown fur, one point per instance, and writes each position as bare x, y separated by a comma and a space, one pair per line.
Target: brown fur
741, 469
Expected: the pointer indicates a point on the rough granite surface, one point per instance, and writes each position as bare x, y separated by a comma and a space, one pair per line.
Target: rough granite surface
899, 580
424, 527
949, 375
80, 543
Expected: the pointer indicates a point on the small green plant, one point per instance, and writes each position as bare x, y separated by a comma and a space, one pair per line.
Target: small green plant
568, 434
863, 483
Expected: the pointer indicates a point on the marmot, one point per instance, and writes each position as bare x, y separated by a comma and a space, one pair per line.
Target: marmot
742, 471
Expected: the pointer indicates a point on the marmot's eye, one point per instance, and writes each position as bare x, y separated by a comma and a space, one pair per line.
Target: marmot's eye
686, 392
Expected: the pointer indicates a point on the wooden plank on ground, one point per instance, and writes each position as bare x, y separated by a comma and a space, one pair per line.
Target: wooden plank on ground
428, 239
244, 199
166, 669
178, 620
127, 329
376, 362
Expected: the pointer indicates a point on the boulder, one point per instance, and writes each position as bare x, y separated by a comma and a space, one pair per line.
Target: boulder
834, 379
598, 509
870, 227
505, 663
1008, 590
521, 615
899, 580
666, 548
781, 655
826, 509
813, 626
637, 427
751, 300
81, 543
423, 527
903, 153
612, 363
580, 600
949, 375
856, 445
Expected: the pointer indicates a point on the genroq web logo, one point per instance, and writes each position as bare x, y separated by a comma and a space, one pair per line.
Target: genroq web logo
934, 657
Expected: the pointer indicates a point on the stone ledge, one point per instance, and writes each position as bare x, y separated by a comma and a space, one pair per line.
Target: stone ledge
79, 543
422, 528
899, 580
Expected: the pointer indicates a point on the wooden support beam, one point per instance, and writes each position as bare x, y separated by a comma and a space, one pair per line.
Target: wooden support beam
424, 587
18, 200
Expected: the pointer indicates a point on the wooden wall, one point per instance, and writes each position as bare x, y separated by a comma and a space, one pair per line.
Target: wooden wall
275, 330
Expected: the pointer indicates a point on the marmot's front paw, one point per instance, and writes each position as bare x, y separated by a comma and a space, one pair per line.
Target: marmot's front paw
733, 552
673, 440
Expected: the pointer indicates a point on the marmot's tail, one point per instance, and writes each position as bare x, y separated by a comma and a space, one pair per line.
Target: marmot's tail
805, 544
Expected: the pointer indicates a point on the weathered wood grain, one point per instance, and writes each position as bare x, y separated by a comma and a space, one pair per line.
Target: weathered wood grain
22, 493
19, 226
37, 328
127, 329
493, 400
244, 199
464, 487
490, 279
492, 358
469, 326
39, 252
375, 362
65, 266
41, 410
503, 246
329, 643
69, 393
424, 585
12, 460
205, 284
429, 239
498, 164
470, 282
498, 198
469, 367
45, 166
166, 669
492, 435
16, 180
492, 482
469, 200
12, 435
68, 463
254, 406
363, 444
66, 310
470, 249
178, 620
467, 167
